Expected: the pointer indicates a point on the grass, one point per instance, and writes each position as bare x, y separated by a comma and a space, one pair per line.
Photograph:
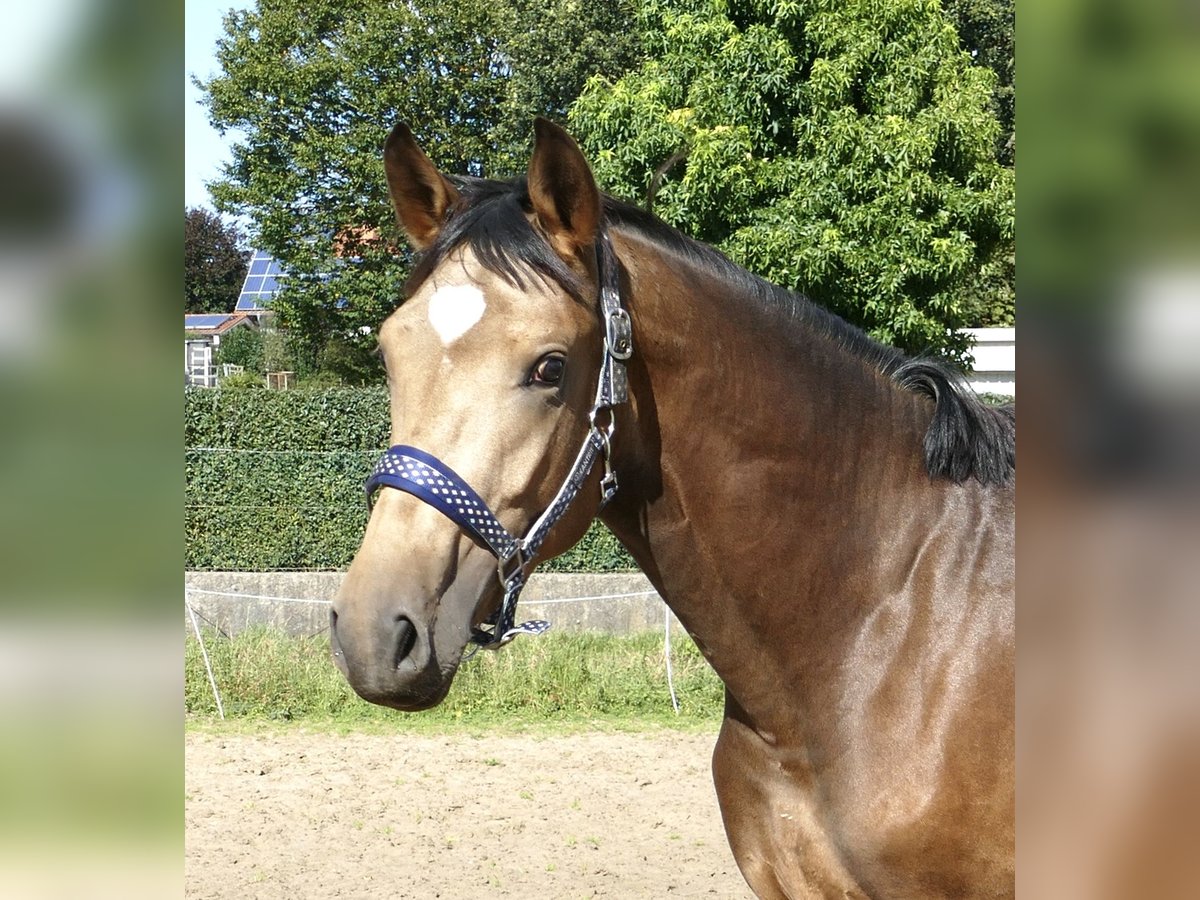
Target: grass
555, 682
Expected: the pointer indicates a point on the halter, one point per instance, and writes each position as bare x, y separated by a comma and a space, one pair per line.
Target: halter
429, 479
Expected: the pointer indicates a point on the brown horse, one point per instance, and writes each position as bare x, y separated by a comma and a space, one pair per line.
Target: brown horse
832, 522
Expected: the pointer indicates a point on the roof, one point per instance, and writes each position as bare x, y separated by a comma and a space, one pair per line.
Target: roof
213, 323
194, 322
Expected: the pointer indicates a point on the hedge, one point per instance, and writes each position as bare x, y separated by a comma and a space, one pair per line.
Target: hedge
274, 480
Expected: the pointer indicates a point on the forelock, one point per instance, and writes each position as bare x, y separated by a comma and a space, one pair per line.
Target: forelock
491, 218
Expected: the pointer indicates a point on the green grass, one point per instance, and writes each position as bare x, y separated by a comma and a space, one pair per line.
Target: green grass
997, 399
556, 681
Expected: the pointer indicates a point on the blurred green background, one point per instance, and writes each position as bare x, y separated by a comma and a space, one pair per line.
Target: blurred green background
90, 448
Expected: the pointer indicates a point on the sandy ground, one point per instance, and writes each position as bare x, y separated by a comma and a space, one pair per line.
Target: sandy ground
295, 815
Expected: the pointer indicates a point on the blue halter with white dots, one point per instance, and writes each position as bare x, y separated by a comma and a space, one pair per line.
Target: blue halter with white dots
429, 479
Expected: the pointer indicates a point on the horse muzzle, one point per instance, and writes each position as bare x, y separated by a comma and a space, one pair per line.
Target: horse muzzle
401, 621
392, 663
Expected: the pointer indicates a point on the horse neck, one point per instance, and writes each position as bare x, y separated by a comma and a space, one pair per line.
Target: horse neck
743, 459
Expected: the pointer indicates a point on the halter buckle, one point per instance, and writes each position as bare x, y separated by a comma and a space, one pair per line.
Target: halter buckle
507, 572
618, 334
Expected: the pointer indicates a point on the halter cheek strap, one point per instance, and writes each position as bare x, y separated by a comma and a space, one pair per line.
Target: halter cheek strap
429, 479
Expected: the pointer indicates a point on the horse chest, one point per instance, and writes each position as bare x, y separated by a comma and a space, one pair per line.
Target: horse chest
845, 829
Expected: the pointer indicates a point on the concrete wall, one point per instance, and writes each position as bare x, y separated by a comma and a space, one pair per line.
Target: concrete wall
297, 602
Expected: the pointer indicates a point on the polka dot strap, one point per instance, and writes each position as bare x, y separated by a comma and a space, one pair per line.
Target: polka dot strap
428, 478
503, 630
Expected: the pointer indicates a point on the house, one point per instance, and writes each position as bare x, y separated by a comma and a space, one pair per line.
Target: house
202, 336
203, 331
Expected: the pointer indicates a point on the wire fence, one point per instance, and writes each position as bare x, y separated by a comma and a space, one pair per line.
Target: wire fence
300, 510
194, 594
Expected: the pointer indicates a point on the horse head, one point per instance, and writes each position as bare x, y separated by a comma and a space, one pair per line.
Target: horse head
492, 366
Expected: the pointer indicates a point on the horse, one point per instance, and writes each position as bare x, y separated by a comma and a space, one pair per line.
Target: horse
830, 520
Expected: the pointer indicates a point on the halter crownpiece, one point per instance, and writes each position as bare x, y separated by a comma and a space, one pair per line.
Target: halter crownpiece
429, 479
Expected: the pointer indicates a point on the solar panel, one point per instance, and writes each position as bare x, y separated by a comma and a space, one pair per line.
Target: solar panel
261, 283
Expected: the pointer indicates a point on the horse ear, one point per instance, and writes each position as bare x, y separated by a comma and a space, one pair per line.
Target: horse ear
421, 195
563, 192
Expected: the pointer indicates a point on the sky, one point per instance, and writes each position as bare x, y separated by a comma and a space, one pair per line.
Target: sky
204, 149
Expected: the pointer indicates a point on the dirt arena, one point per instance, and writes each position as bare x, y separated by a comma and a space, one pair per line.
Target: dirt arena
294, 815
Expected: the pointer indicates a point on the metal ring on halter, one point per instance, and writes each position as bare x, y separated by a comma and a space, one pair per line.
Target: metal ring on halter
610, 429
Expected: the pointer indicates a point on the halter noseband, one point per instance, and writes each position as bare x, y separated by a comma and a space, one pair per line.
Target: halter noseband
431, 480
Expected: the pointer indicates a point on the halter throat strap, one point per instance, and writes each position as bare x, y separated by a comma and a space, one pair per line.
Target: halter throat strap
426, 477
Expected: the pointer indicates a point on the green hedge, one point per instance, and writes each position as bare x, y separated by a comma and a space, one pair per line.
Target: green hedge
274, 480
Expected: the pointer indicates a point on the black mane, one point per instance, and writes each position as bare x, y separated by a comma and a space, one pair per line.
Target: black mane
965, 439
490, 218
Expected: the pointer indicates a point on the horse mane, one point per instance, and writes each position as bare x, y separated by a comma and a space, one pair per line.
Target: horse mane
966, 438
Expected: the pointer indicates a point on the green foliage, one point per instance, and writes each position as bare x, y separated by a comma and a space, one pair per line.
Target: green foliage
1113, 196
320, 380
314, 87
844, 149
555, 46
352, 362
243, 381
274, 480
329, 420
989, 300
261, 498
214, 265
242, 347
987, 30
996, 399
278, 351
597, 551
265, 674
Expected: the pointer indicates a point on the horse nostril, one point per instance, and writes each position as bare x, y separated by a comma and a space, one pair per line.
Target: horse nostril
406, 638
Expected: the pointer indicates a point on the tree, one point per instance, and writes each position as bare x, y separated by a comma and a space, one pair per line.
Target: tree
843, 149
554, 47
315, 87
214, 266
987, 30
242, 347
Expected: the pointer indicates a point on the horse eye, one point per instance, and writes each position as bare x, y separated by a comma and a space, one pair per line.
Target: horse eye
549, 370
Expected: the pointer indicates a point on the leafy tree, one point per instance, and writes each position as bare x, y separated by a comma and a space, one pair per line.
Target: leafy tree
242, 347
315, 85
554, 47
987, 30
214, 266
844, 148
